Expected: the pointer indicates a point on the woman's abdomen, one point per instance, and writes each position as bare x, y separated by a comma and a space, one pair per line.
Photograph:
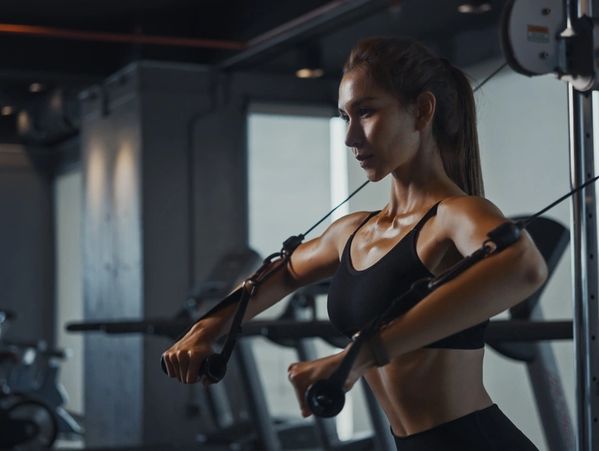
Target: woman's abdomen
427, 387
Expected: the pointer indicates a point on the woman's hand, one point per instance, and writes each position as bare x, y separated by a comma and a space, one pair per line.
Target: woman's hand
184, 359
303, 374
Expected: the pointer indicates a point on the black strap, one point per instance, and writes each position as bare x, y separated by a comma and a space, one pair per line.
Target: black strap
429, 214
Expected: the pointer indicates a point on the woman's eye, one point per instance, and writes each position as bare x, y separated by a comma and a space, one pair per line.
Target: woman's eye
364, 112
344, 118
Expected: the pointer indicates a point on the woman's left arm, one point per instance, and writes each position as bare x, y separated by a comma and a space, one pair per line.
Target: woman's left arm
491, 286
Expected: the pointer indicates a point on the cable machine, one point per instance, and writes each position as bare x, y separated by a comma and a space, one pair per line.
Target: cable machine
562, 37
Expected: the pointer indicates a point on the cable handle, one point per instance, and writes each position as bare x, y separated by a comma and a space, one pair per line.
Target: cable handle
214, 367
326, 397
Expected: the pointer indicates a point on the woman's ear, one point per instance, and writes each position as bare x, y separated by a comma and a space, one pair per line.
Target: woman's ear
425, 105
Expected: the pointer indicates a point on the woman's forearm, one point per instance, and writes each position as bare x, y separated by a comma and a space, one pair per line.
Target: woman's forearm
267, 294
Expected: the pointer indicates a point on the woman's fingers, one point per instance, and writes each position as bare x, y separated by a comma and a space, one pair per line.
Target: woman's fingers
171, 368
183, 365
193, 369
300, 384
183, 360
303, 374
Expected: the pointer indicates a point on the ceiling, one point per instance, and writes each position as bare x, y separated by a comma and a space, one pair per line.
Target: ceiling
70, 44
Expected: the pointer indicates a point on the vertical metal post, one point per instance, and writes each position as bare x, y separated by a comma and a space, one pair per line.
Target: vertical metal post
584, 255
268, 440
585, 270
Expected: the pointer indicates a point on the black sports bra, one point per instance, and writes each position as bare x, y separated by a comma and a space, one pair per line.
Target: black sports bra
356, 297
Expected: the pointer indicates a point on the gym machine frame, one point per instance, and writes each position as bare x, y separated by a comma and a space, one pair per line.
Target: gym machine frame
562, 37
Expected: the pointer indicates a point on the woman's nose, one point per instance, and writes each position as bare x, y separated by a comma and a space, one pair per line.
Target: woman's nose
354, 136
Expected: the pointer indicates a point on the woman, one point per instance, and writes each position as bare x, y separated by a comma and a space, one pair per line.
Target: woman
410, 115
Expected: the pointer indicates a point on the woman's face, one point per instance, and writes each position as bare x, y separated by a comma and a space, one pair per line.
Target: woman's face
381, 133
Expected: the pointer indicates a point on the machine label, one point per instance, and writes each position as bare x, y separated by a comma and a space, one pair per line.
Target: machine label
538, 34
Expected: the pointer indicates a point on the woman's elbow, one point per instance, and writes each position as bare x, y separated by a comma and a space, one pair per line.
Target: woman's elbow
533, 267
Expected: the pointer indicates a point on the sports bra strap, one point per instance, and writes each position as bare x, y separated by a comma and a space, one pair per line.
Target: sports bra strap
429, 214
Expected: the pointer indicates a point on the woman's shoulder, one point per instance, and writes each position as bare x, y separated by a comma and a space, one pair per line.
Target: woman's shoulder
467, 206
466, 220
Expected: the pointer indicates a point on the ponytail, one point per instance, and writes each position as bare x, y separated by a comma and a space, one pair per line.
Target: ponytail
466, 141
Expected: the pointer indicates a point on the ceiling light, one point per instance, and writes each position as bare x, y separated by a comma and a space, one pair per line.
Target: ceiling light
475, 7
23, 122
7, 110
36, 87
309, 62
309, 73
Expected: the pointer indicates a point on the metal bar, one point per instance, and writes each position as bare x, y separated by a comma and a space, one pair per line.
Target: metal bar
550, 399
118, 38
309, 17
326, 428
243, 355
549, 395
498, 330
299, 27
584, 268
306, 350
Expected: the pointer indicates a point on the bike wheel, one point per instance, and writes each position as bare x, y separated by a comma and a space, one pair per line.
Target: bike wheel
41, 421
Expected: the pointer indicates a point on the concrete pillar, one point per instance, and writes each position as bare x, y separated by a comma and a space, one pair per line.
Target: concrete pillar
159, 179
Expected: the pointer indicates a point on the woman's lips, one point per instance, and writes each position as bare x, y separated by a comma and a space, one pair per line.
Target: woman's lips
364, 160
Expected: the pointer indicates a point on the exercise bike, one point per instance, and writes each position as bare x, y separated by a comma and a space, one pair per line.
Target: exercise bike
26, 423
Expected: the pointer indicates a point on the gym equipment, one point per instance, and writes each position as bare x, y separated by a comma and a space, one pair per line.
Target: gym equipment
25, 423
38, 379
32, 399
262, 432
214, 367
562, 37
542, 37
255, 429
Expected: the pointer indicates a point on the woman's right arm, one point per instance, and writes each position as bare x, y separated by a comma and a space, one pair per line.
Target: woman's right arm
310, 262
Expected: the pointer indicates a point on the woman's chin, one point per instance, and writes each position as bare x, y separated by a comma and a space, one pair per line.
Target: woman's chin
374, 176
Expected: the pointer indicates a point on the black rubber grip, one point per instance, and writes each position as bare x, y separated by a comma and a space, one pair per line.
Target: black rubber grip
325, 398
214, 368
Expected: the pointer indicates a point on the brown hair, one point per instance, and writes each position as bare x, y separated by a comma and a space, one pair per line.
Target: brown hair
407, 68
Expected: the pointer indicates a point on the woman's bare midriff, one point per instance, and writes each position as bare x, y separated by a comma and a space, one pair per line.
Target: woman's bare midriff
428, 387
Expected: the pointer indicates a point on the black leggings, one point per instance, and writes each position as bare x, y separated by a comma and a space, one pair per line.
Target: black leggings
484, 430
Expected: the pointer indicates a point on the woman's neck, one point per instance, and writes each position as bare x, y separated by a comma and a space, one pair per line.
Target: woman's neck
419, 183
